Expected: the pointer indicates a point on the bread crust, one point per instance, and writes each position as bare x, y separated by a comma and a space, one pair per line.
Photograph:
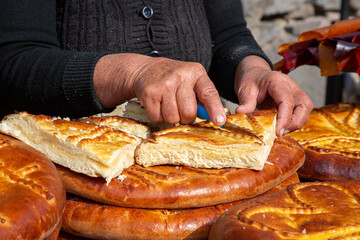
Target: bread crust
178, 187
31, 192
331, 140
90, 219
312, 210
246, 143
87, 148
121, 123
328, 167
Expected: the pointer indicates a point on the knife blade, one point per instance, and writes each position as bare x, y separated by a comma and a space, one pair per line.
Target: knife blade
238, 129
202, 113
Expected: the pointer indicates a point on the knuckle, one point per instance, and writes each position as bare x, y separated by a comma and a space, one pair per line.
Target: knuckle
188, 117
297, 125
172, 118
288, 102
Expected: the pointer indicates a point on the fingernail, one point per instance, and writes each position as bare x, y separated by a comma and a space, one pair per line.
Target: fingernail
282, 132
220, 119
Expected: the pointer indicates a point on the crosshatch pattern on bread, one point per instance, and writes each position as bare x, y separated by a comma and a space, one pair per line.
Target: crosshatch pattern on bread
83, 147
205, 145
331, 139
313, 210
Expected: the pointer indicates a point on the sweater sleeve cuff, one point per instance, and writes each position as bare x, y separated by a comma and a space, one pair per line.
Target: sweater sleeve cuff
225, 62
78, 84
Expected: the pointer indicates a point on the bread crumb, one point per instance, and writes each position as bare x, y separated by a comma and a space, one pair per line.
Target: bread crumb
303, 231
121, 177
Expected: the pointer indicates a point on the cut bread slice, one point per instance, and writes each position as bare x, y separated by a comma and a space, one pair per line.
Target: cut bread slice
83, 147
205, 145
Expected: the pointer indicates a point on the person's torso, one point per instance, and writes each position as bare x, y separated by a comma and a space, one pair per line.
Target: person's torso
168, 28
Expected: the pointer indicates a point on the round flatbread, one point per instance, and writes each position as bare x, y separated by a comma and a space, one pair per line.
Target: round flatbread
31, 192
313, 210
331, 140
179, 187
95, 220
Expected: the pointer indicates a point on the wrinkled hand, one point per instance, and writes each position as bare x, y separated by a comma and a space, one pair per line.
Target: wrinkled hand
168, 89
257, 86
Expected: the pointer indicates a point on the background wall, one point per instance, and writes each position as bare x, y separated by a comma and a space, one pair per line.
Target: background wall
274, 22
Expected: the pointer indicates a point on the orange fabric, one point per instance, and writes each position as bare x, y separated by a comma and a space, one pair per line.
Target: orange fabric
322, 49
337, 29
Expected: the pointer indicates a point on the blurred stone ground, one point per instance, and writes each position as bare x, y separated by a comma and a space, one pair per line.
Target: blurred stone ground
274, 22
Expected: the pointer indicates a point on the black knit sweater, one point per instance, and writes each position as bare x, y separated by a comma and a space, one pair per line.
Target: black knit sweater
49, 48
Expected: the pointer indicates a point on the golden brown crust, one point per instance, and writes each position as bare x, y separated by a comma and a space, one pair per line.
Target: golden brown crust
67, 236
55, 234
87, 148
31, 192
164, 186
331, 140
90, 219
313, 210
121, 123
244, 141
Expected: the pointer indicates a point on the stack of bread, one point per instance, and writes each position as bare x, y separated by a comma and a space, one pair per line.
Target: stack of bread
325, 205
331, 140
124, 181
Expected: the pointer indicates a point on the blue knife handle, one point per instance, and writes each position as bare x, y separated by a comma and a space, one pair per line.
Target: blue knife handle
202, 113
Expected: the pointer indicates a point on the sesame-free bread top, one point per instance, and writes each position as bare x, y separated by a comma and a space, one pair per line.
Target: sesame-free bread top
331, 140
205, 145
95, 220
31, 192
303, 211
127, 125
177, 187
83, 147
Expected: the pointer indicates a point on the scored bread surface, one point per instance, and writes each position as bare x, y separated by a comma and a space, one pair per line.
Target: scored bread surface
205, 145
32, 194
331, 140
86, 148
102, 221
121, 123
303, 211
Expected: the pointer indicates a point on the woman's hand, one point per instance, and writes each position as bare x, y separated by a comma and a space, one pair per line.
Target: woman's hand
256, 85
168, 89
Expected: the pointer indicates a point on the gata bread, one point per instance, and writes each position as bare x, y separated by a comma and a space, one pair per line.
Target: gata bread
83, 147
303, 211
99, 221
31, 193
105, 146
205, 145
176, 187
331, 140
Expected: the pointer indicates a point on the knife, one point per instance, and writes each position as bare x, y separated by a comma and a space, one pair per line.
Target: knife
202, 113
